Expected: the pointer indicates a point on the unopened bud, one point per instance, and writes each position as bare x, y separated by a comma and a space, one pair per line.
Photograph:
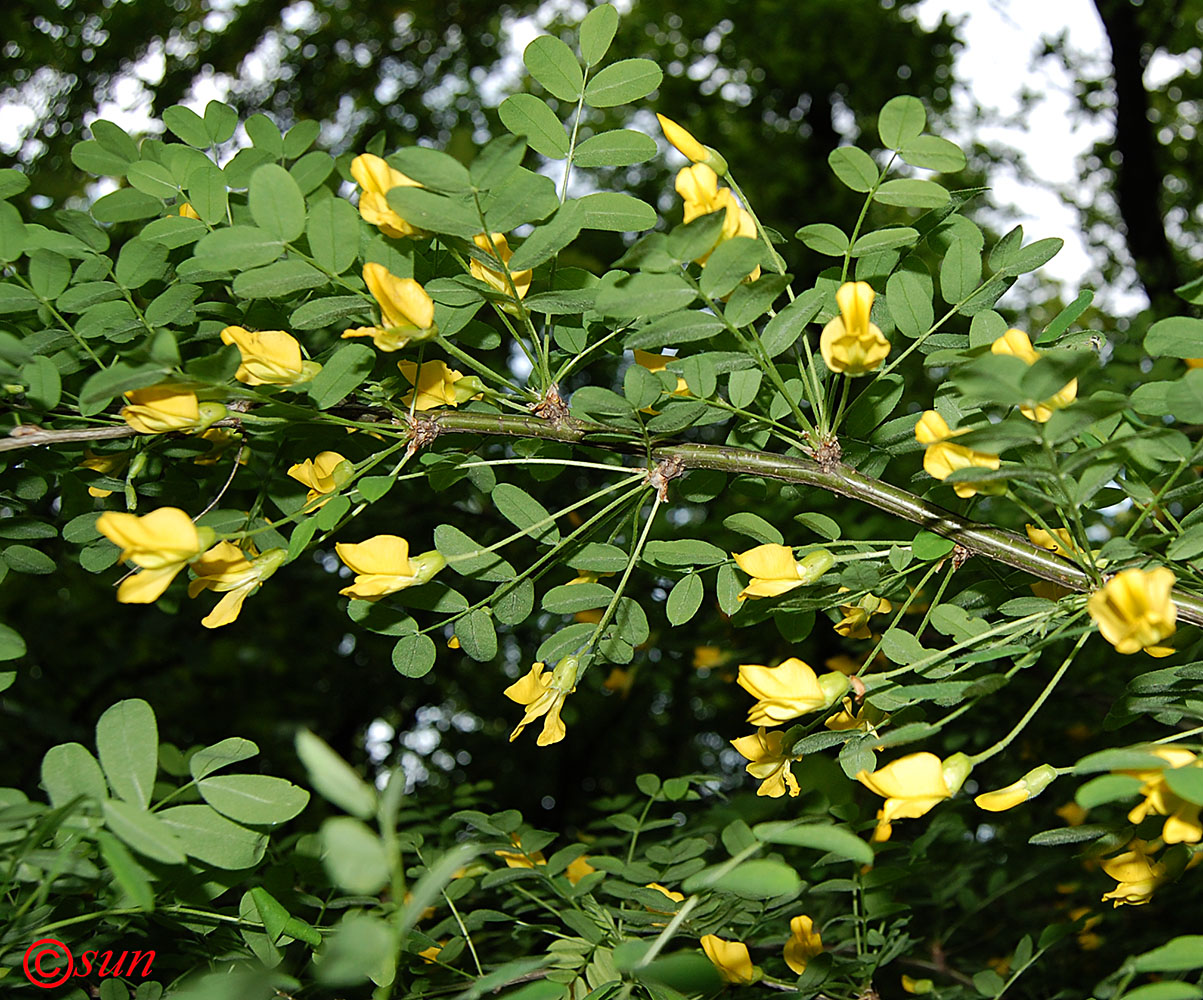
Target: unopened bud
426, 566
814, 565
834, 686
209, 414
956, 770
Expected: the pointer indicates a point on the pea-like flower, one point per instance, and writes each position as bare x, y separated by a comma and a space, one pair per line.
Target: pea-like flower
1134, 610
942, 457
1182, 824
1027, 787
163, 408
375, 179
107, 465
855, 623
520, 858
186, 211
865, 717
382, 565
658, 363
323, 474
804, 943
850, 343
732, 960
406, 311
1136, 872
496, 246
160, 544
543, 694
269, 357
768, 763
226, 570
913, 784
775, 571
698, 188
1017, 344
685, 144
578, 868
788, 690
437, 385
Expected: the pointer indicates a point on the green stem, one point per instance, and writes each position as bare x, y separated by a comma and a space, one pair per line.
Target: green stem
860, 219
613, 605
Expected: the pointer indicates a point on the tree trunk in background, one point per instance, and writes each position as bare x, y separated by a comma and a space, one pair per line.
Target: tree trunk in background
1138, 175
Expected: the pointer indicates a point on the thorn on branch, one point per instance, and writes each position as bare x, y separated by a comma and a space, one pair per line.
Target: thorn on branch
422, 432
960, 556
552, 407
666, 471
828, 454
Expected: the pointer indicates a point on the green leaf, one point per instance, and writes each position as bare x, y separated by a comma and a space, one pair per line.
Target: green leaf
207, 192
1184, 398
114, 380
640, 387
354, 856
1186, 782
127, 741
820, 836
759, 878
1176, 337
552, 63
126, 205
344, 370
12, 646
237, 248
824, 238
69, 770
265, 134
682, 327
142, 831
1063, 835
92, 158
467, 556
614, 212
597, 557
754, 526
820, 524
597, 32
12, 182
909, 300
327, 311
515, 605
527, 116
751, 300
1164, 991
477, 636
731, 262
220, 122
623, 82
333, 233
617, 148
284, 277
414, 655
548, 239
186, 124
783, 330
1033, 256
684, 599
1179, 954
960, 271
333, 778
929, 546
153, 179
220, 755
212, 839
256, 799
276, 202
126, 872
1106, 788
433, 169
933, 153
742, 387
644, 295
139, 262
435, 212
884, 239
26, 559
524, 197
43, 384
901, 121
683, 552
910, 192
13, 241
569, 598
854, 167
495, 163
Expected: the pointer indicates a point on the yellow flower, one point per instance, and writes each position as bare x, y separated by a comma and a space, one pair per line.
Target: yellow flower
1058, 541
866, 717
495, 245
577, 869
675, 897
855, 623
188, 212
942, 457
698, 188
220, 440
913, 784
431, 954
1193, 362
708, 657
1017, 345
406, 311
375, 179
1134, 610
162, 408
774, 571
683, 141
769, 763
804, 944
438, 385
1137, 874
917, 986
160, 544
269, 357
1072, 813
788, 690
1182, 825
106, 465
520, 858
658, 363
323, 475
732, 960
850, 343
226, 570
382, 566
1027, 787
543, 694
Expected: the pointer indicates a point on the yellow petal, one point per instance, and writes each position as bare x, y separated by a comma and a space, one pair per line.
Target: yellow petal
380, 554
684, 142
147, 586
915, 776
768, 562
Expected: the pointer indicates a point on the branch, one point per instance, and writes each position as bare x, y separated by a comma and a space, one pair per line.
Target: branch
998, 544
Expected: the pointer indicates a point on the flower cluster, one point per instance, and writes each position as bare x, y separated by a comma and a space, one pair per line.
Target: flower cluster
734, 963
942, 458
850, 343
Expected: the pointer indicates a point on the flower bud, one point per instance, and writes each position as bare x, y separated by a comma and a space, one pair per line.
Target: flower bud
956, 770
834, 685
814, 565
426, 566
1027, 787
563, 677
210, 413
